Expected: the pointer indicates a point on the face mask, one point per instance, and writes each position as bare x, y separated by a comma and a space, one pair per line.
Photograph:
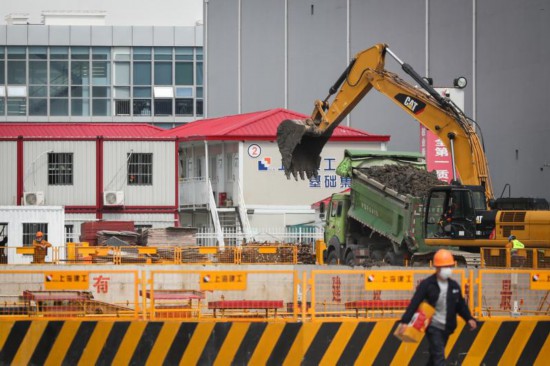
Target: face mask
445, 272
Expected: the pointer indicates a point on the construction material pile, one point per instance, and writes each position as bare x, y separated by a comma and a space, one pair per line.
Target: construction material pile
269, 252
404, 179
170, 237
118, 238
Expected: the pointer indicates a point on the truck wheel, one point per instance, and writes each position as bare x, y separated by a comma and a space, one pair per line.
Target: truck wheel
377, 255
392, 259
332, 258
350, 259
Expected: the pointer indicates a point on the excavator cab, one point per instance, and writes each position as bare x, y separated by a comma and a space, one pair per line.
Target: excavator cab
450, 213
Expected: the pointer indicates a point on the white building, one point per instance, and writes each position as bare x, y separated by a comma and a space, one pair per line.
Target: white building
233, 164
99, 171
18, 227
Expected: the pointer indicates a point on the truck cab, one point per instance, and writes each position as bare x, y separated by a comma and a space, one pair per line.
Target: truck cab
336, 226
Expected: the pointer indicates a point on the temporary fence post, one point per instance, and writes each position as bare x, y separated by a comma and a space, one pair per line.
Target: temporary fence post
479, 282
294, 254
471, 289
304, 296
535, 258
482, 257
312, 284
508, 258
55, 255
144, 294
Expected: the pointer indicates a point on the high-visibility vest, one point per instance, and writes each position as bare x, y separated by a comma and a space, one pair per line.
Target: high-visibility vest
516, 244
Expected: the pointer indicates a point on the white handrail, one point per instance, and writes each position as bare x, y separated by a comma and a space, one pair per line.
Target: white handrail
214, 213
243, 213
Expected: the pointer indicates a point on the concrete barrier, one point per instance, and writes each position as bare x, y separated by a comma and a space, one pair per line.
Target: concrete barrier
503, 341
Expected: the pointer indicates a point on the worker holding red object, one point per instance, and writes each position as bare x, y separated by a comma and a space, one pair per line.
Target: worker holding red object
445, 296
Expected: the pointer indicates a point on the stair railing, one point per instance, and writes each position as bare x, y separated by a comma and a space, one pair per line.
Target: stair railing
243, 214
214, 213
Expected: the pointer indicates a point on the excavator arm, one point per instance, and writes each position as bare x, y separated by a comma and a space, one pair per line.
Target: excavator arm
301, 142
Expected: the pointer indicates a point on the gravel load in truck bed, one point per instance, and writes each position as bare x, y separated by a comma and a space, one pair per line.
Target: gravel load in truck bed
404, 179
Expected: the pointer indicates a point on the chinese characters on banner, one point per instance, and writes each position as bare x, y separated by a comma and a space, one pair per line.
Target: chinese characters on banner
223, 280
327, 177
101, 284
66, 280
438, 157
389, 280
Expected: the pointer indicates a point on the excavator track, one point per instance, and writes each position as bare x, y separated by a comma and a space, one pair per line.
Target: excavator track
463, 259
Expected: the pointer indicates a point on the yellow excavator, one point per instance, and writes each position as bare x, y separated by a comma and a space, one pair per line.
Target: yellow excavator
485, 221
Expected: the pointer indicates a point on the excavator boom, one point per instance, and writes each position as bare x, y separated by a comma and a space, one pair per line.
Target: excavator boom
301, 142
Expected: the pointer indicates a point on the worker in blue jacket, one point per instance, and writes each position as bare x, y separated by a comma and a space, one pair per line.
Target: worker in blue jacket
444, 294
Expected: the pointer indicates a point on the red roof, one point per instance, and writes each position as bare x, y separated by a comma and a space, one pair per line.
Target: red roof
78, 130
256, 126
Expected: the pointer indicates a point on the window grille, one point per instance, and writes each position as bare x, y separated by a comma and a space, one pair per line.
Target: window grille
122, 107
140, 169
60, 168
29, 232
69, 234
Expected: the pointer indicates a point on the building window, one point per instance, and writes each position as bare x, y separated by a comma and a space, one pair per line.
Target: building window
142, 107
60, 169
41, 81
122, 107
29, 232
163, 107
184, 107
3, 242
69, 234
140, 169
228, 167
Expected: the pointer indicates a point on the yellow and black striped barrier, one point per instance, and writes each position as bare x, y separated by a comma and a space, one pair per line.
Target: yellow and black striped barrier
104, 342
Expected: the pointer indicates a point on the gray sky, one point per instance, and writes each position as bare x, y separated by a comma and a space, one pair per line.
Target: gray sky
119, 12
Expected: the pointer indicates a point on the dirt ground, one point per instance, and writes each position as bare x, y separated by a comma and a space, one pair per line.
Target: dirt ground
404, 179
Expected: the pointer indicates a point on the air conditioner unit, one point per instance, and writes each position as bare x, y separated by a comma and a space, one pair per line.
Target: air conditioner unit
113, 198
33, 198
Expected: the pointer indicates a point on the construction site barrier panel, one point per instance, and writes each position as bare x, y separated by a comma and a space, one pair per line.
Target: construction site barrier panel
83, 254
281, 295
535, 258
369, 293
513, 292
221, 294
62, 294
108, 342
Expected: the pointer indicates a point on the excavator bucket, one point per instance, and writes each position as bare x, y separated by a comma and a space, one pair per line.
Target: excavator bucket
300, 143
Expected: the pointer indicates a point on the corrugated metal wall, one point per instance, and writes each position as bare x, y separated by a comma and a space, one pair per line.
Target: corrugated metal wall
501, 46
161, 192
35, 168
8, 167
155, 220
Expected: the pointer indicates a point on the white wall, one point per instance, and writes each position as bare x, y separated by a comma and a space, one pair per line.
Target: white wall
35, 171
8, 167
156, 220
161, 192
119, 12
271, 187
15, 217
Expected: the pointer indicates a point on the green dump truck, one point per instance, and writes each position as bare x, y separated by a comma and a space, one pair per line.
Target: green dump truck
373, 222
381, 218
